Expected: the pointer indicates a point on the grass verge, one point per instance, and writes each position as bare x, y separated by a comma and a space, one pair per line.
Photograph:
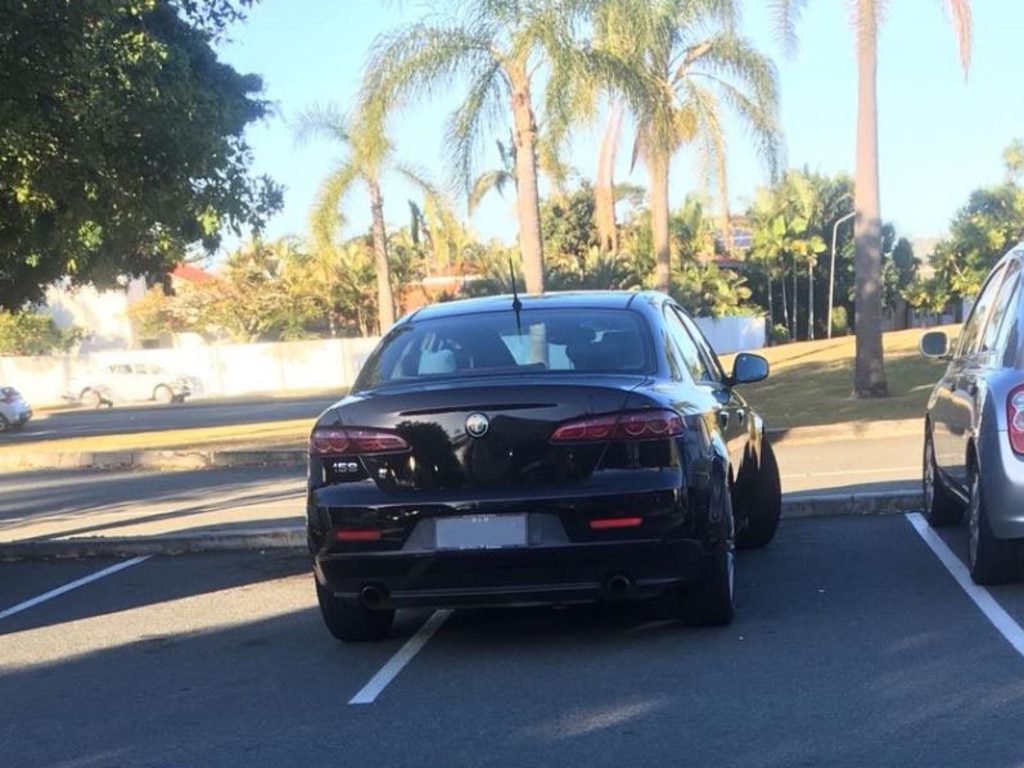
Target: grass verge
811, 382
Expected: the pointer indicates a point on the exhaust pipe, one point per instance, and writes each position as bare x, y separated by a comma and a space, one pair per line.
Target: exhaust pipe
618, 586
373, 596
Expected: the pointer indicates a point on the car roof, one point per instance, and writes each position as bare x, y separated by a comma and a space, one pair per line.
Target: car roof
554, 300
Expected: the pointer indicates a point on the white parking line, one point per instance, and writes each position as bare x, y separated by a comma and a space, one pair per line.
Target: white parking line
73, 585
982, 598
413, 645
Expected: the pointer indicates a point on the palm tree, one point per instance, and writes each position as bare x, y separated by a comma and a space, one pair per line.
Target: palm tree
370, 157
369, 152
682, 65
501, 48
869, 373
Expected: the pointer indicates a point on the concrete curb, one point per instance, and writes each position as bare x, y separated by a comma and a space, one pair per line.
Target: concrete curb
825, 505
170, 459
168, 544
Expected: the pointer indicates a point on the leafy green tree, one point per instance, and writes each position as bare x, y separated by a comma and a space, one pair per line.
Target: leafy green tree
869, 372
501, 49
988, 225
26, 333
370, 156
121, 140
679, 70
693, 233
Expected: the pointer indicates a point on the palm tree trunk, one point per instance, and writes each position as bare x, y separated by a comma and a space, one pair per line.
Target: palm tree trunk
604, 184
810, 299
796, 317
527, 198
385, 303
869, 371
657, 168
785, 300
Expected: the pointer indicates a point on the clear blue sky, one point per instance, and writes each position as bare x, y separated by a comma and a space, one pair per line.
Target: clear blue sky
940, 136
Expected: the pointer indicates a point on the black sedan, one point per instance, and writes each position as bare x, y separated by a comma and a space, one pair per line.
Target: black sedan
553, 449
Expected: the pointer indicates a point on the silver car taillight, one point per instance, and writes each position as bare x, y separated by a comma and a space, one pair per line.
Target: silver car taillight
1015, 418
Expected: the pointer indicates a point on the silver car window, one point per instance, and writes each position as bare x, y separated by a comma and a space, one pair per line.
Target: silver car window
1001, 319
974, 328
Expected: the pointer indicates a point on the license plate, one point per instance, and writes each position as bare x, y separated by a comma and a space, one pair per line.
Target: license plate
481, 532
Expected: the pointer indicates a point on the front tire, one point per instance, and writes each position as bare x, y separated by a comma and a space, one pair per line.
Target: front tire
5, 425
989, 560
351, 621
940, 507
163, 395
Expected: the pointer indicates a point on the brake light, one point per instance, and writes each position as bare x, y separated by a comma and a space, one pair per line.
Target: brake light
357, 534
339, 441
636, 425
608, 523
1015, 418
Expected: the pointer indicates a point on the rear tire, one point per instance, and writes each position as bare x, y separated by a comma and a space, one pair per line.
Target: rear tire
91, 398
710, 602
763, 504
4, 423
349, 620
941, 508
989, 560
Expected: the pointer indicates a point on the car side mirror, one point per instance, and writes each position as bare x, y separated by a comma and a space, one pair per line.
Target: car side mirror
934, 344
748, 368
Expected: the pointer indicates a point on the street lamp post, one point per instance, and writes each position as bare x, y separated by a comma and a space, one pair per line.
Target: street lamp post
832, 268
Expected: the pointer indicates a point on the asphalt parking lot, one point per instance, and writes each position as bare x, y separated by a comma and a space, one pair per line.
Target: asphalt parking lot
854, 645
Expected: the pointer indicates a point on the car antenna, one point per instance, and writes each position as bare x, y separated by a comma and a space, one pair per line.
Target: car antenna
517, 305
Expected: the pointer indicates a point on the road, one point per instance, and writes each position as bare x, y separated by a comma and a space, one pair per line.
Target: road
853, 646
851, 465
76, 502
124, 419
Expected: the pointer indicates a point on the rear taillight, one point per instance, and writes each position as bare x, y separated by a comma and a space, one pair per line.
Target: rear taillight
1015, 418
636, 425
349, 441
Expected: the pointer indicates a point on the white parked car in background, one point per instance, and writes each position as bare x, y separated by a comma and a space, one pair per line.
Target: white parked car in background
15, 411
132, 382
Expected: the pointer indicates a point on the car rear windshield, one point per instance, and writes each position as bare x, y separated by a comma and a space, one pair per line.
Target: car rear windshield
558, 340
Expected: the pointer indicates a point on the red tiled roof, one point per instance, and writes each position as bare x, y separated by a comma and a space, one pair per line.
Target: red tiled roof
191, 274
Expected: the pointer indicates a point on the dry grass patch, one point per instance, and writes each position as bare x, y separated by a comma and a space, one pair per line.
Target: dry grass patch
811, 382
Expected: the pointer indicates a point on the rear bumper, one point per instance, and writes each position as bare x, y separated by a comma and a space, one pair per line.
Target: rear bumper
515, 576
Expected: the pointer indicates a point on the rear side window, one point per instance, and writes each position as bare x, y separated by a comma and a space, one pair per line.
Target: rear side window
1003, 316
593, 340
974, 328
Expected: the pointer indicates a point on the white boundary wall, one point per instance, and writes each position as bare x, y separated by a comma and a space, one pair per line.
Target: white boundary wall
225, 370
241, 369
735, 333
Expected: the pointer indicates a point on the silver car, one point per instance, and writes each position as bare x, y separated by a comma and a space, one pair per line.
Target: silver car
15, 412
132, 382
974, 426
